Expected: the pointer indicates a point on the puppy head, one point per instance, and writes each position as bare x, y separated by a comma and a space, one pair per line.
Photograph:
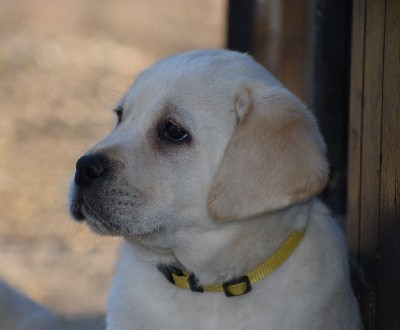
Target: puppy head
153, 172
199, 134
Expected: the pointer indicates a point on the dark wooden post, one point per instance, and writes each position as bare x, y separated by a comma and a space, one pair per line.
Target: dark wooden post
240, 25
374, 159
328, 87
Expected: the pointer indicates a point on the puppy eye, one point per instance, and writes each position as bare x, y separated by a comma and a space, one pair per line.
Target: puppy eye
118, 111
175, 133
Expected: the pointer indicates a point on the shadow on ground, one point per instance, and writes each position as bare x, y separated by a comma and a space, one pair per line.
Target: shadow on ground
83, 322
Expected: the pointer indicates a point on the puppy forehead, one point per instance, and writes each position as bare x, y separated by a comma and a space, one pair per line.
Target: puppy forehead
198, 68
201, 83
189, 114
191, 95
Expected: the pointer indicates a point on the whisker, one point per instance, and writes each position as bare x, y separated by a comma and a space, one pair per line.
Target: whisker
112, 91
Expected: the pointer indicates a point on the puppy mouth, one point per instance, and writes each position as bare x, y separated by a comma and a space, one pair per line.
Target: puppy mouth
76, 210
93, 215
111, 212
81, 210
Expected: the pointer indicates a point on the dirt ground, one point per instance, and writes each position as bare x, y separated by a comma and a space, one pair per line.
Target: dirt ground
63, 65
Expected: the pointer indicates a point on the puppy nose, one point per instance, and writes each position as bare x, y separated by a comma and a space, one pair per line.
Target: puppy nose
90, 168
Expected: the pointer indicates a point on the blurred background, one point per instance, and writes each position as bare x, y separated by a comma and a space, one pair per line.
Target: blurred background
63, 65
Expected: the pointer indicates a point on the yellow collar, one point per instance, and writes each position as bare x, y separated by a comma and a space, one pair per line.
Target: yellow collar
238, 286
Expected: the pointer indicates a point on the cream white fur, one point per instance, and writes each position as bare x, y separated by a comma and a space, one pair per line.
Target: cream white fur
162, 208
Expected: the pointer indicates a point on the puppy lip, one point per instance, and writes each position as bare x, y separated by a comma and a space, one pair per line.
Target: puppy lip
76, 206
76, 211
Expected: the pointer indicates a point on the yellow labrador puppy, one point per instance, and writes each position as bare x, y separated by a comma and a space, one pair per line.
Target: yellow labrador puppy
210, 177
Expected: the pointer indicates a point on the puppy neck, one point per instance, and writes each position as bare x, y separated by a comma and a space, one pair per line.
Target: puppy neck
233, 249
230, 250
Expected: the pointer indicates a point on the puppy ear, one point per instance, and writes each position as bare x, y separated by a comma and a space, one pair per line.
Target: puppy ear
275, 158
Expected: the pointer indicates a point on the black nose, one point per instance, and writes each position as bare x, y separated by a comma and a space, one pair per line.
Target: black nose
90, 168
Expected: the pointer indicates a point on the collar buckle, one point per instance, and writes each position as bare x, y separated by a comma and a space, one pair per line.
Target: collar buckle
237, 286
167, 271
173, 273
